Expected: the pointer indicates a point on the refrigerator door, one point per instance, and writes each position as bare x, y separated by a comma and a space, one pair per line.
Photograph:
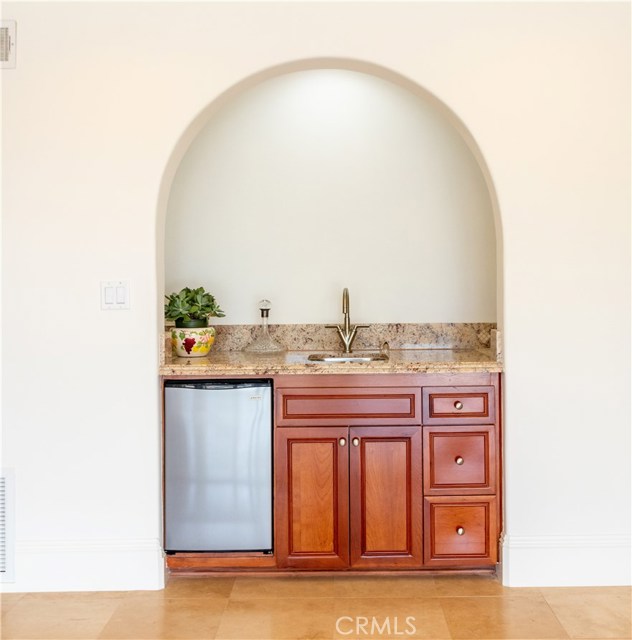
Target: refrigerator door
218, 467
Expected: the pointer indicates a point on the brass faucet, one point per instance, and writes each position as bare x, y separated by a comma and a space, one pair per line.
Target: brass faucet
347, 333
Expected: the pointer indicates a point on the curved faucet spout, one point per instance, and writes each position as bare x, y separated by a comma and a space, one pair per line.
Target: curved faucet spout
347, 333
345, 300
347, 318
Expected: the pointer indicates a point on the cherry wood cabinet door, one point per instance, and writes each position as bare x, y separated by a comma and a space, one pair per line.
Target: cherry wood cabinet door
459, 405
312, 497
385, 497
460, 531
347, 406
459, 460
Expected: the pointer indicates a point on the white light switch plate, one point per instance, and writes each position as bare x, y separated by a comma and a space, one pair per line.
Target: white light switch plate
7, 44
114, 295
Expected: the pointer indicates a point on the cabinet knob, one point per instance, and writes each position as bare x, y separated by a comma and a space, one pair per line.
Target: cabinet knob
459, 460
355, 442
342, 442
460, 531
458, 405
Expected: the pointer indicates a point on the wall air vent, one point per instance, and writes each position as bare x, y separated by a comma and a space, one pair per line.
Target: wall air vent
7, 526
7, 44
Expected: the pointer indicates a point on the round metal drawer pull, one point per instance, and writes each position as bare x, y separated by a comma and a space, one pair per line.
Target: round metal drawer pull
342, 442
459, 460
355, 442
460, 531
458, 405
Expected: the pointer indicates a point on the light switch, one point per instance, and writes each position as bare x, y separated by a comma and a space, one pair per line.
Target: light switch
109, 295
7, 44
114, 295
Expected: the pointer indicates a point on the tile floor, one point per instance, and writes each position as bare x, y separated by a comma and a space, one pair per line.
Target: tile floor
244, 608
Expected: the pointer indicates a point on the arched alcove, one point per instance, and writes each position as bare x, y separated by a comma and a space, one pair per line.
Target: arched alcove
366, 248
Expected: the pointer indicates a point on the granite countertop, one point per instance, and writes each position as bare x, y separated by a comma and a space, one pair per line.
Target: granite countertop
239, 363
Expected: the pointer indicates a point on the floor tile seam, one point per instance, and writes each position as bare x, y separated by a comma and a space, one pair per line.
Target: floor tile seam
370, 597
377, 599
583, 637
599, 637
331, 615
578, 596
5, 611
334, 597
79, 594
105, 624
458, 637
490, 597
176, 598
6, 597
276, 598
443, 615
219, 620
40, 599
566, 631
455, 636
447, 622
100, 635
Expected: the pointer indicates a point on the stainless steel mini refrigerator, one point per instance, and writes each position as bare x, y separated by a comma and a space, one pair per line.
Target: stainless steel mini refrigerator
218, 465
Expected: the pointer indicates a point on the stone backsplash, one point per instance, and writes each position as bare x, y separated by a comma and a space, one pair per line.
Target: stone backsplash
316, 337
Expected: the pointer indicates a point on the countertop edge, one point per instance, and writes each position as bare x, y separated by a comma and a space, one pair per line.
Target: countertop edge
188, 367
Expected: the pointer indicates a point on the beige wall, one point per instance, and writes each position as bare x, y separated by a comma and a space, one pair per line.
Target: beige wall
95, 119
324, 178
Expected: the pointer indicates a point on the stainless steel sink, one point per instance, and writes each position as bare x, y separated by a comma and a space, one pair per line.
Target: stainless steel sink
347, 357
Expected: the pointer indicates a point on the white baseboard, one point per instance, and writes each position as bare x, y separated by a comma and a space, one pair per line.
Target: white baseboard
81, 565
565, 561
128, 565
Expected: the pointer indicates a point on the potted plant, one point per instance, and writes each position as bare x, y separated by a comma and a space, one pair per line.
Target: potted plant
191, 309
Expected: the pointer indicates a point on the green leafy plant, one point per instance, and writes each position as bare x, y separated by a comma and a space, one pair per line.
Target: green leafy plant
191, 305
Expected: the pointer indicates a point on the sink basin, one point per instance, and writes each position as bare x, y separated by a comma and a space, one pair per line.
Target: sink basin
347, 357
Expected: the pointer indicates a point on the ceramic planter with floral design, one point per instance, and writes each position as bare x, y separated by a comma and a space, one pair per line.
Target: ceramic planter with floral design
191, 309
192, 342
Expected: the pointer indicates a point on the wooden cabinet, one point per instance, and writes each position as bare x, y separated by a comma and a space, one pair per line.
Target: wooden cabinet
461, 469
460, 531
299, 406
385, 497
380, 473
459, 460
459, 405
312, 497
348, 497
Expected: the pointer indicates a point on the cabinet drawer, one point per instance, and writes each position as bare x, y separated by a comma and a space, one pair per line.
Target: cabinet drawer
348, 406
459, 460
460, 531
458, 405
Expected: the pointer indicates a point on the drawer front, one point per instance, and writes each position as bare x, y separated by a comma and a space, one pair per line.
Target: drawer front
459, 460
460, 531
350, 406
458, 405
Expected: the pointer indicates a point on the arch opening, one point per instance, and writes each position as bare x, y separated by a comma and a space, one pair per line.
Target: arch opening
258, 246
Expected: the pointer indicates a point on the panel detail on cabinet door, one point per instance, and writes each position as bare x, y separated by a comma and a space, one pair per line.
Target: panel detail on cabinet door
386, 466
459, 460
312, 497
458, 405
299, 407
385, 502
460, 531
